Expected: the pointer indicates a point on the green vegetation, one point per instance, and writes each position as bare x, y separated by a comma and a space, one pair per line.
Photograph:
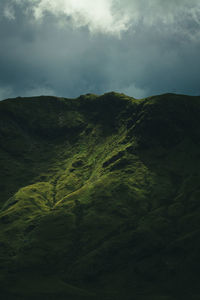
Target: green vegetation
99, 198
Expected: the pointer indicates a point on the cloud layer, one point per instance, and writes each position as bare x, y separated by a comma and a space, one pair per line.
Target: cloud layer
108, 16
96, 15
71, 47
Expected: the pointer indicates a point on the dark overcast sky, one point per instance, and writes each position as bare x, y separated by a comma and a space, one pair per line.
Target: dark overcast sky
67, 47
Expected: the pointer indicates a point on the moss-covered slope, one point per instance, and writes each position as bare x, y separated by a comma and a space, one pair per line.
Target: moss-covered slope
100, 197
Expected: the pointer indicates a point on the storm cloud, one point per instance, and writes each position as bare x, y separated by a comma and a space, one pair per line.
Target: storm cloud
67, 48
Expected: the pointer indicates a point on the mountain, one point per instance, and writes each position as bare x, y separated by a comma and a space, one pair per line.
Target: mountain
100, 198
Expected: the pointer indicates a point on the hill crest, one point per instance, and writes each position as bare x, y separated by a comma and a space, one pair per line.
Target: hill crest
100, 195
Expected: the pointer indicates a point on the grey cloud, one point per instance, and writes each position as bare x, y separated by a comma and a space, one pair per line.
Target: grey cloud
43, 58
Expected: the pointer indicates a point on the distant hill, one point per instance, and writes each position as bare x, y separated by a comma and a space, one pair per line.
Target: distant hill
100, 198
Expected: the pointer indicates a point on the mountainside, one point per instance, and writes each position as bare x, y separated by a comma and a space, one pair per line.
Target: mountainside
100, 198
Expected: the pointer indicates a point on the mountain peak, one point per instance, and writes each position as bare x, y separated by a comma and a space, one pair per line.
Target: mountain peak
99, 197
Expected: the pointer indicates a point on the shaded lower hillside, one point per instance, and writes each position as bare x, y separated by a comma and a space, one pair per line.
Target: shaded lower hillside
100, 197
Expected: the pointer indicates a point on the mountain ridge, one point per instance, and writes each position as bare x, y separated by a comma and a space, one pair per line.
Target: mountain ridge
100, 196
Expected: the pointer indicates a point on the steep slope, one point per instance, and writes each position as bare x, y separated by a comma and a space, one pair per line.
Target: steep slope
100, 197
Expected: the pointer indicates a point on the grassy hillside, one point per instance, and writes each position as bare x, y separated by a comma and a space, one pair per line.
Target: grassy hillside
100, 198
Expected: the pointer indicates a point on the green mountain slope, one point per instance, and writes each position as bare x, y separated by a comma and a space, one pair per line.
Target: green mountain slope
100, 197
